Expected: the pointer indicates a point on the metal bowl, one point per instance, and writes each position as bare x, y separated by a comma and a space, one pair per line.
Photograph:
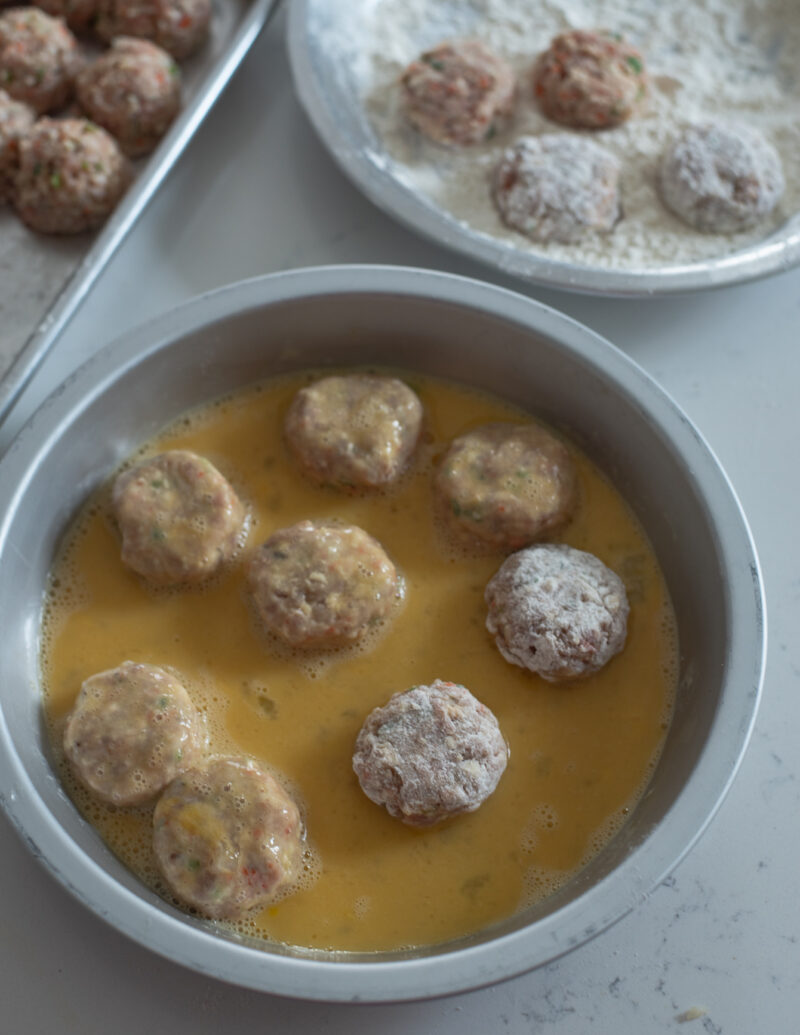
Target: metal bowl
441, 325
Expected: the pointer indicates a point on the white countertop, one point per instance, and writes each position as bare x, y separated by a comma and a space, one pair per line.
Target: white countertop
256, 193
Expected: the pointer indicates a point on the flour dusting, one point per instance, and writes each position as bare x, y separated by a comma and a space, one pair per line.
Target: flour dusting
708, 60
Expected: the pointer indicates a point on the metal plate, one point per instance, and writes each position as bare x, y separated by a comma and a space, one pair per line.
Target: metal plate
326, 45
44, 279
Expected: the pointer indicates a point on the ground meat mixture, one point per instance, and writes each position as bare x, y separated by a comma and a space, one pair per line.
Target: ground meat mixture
506, 485
357, 431
431, 753
459, 93
557, 187
39, 58
179, 26
721, 178
71, 176
132, 730
179, 518
78, 14
590, 80
133, 91
16, 120
557, 611
228, 838
322, 584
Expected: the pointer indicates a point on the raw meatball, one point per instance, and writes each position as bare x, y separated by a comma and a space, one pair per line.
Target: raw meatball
322, 584
459, 93
506, 484
133, 91
557, 611
431, 753
16, 120
590, 80
721, 179
179, 517
557, 187
227, 837
179, 26
71, 176
78, 14
356, 431
39, 58
132, 730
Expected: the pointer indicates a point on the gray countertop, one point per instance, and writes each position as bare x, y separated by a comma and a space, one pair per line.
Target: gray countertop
715, 947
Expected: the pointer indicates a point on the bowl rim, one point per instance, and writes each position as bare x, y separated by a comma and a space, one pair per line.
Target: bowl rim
444, 972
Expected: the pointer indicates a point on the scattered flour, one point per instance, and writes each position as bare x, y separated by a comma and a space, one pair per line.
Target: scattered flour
707, 59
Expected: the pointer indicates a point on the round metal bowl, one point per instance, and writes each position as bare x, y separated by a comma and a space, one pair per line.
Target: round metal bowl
441, 325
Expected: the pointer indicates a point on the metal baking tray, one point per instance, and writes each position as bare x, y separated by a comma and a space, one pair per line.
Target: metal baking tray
43, 280
326, 41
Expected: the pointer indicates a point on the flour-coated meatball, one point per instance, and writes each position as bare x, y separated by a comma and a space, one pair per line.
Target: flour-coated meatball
430, 753
16, 120
557, 611
132, 730
322, 584
228, 838
590, 80
78, 14
71, 176
180, 519
557, 187
134, 91
39, 58
356, 431
459, 93
506, 484
721, 178
179, 26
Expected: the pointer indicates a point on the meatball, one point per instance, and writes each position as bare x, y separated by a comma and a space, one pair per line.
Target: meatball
459, 93
557, 611
590, 80
322, 584
506, 484
721, 178
179, 517
132, 730
357, 431
133, 91
39, 58
71, 176
431, 753
557, 187
227, 837
16, 120
78, 14
179, 26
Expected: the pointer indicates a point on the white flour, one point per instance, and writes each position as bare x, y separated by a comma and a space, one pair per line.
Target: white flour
707, 59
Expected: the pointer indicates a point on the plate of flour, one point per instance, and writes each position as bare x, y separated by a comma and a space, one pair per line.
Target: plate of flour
708, 61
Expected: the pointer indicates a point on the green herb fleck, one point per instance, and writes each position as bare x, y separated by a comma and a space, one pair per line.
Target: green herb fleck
280, 554
634, 63
174, 71
163, 702
433, 62
39, 76
193, 864
158, 535
456, 507
37, 169
55, 180
157, 483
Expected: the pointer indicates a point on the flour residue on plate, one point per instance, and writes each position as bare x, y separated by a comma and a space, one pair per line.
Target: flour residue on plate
709, 60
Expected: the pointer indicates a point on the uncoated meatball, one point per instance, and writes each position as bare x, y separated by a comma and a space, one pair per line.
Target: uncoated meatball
71, 175
227, 837
721, 178
39, 58
320, 584
431, 753
557, 187
133, 91
506, 484
179, 26
16, 120
78, 14
459, 93
132, 730
357, 431
590, 80
557, 611
179, 517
